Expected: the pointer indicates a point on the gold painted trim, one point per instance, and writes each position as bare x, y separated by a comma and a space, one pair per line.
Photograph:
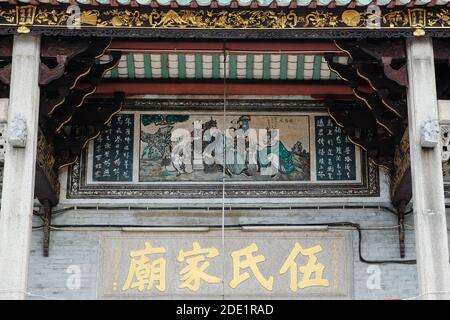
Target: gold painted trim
368, 105
114, 113
365, 78
109, 119
340, 76
55, 106
68, 164
355, 143
370, 159
76, 107
79, 77
92, 138
334, 119
108, 69
342, 49
105, 49
106, 17
89, 139
70, 88
376, 90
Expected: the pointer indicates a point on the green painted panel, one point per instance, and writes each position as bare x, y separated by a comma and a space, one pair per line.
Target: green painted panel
233, 63
182, 66
300, 67
147, 66
165, 66
130, 66
216, 66
249, 65
266, 67
198, 66
232, 72
316, 66
115, 73
283, 66
333, 75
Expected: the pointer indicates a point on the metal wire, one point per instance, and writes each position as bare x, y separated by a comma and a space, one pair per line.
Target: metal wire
222, 226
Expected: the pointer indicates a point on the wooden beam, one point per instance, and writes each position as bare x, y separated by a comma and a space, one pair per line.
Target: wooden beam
201, 88
219, 46
47, 183
400, 183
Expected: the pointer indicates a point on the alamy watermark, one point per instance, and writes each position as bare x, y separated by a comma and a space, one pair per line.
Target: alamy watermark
73, 281
374, 279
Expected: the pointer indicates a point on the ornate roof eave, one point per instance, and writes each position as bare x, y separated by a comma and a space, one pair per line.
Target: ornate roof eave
234, 4
297, 21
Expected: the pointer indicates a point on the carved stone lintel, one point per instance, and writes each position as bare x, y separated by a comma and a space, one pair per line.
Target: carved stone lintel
17, 132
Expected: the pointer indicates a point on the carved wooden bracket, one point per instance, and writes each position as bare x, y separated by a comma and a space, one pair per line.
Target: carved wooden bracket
79, 61
65, 62
46, 74
385, 104
85, 124
382, 66
400, 75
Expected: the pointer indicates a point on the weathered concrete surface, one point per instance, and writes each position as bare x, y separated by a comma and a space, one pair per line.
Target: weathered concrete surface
19, 170
426, 169
73, 251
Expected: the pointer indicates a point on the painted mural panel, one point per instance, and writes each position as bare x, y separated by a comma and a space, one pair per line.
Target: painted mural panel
238, 147
187, 149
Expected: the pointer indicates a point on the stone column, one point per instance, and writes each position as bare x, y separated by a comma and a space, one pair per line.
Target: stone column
19, 170
426, 170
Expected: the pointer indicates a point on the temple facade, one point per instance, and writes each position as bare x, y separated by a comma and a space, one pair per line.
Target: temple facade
224, 149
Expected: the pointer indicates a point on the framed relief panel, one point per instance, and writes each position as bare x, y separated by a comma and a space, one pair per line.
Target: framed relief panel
191, 153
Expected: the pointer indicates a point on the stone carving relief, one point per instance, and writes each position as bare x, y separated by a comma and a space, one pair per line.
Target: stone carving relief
17, 132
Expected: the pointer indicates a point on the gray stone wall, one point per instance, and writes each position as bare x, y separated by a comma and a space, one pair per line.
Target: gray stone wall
73, 251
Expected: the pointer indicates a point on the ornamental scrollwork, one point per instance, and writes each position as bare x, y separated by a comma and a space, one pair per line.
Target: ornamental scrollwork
46, 161
52, 17
42, 16
8, 16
